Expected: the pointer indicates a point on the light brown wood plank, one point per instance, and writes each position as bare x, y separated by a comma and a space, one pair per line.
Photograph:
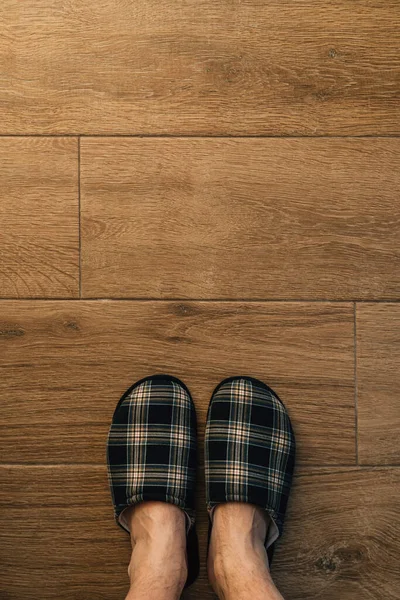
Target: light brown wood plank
64, 366
59, 536
230, 67
341, 539
247, 218
378, 374
39, 232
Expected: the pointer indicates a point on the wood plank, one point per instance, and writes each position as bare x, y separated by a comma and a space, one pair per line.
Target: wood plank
64, 366
378, 374
58, 534
341, 536
248, 218
232, 67
39, 236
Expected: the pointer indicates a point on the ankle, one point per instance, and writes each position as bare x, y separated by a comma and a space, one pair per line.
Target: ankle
239, 526
158, 582
230, 566
160, 556
156, 520
157, 568
237, 557
158, 561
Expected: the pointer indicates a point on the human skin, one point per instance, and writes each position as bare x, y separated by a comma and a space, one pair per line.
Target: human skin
237, 561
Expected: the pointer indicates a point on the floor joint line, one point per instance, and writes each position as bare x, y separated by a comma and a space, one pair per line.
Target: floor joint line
355, 384
79, 217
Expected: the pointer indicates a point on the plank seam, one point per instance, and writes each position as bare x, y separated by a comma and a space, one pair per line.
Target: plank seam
79, 217
356, 383
200, 136
188, 300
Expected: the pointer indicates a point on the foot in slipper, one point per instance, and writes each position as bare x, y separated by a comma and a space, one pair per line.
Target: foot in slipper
249, 462
151, 454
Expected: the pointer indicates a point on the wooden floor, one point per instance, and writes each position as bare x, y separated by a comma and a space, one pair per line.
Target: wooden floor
207, 189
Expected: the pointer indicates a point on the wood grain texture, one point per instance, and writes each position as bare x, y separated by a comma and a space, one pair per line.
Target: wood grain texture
229, 67
378, 379
340, 540
248, 218
64, 366
58, 533
39, 233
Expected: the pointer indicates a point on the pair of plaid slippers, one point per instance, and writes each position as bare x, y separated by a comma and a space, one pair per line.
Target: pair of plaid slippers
249, 451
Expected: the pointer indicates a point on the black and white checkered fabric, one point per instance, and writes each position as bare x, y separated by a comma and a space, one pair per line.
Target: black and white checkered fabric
249, 449
152, 451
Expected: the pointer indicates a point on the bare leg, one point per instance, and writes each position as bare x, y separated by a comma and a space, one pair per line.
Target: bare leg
158, 567
237, 561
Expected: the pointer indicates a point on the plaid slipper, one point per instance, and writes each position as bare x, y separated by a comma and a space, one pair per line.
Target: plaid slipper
151, 452
249, 450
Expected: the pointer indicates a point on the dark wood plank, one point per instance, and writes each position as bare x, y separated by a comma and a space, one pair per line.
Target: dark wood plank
58, 535
39, 233
64, 366
231, 67
378, 370
248, 218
